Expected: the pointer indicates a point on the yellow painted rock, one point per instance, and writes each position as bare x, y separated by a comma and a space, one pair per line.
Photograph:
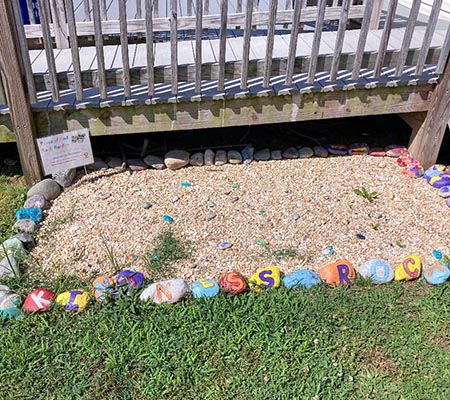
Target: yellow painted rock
410, 268
73, 300
265, 278
341, 272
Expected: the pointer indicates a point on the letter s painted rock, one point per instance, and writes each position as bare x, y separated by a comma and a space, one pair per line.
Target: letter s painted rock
265, 278
169, 291
233, 283
410, 268
339, 273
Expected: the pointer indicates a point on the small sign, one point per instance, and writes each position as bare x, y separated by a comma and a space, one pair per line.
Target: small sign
65, 151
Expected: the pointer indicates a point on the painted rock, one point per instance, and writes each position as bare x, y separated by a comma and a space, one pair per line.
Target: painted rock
276, 155
34, 214
9, 267
129, 279
290, 153
339, 273
25, 225
39, 300
444, 191
247, 154
377, 152
440, 181
221, 157
262, 155
409, 269
395, 150
166, 291
434, 170
37, 201
377, 270
305, 152
320, 151
103, 288
205, 288
337, 149
155, 162
265, 278
413, 171
73, 300
209, 157
26, 239
233, 283
136, 164
9, 304
437, 274
404, 159
234, 157
13, 246
358, 149
47, 187
302, 277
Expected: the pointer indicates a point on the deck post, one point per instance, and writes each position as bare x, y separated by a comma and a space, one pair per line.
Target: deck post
19, 105
426, 143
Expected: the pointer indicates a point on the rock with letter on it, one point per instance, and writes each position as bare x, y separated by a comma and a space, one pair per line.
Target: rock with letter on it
129, 279
73, 300
436, 274
205, 288
409, 269
265, 278
302, 277
9, 304
339, 273
166, 291
379, 271
103, 288
39, 300
233, 283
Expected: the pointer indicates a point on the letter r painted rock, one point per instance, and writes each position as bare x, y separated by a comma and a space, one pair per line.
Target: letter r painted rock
233, 283
410, 268
339, 273
265, 278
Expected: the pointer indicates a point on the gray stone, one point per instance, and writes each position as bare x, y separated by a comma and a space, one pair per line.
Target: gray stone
49, 188
25, 225
197, 159
305, 152
37, 201
262, 155
169, 291
97, 165
27, 240
176, 159
210, 215
276, 155
155, 162
320, 151
114, 162
210, 157
234, 157
221, 157
290, 153
65, 178
9, 267
247, 154
136, 164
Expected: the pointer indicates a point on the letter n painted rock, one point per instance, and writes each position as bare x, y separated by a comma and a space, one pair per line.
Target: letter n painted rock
339, 273
103, 288
437, 274
205, 288
39, 300
302, 277
377, 270
73, 300
409, 269
166, 291
233, 283
265, 278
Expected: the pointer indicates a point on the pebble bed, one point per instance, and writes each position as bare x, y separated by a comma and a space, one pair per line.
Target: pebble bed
261, 209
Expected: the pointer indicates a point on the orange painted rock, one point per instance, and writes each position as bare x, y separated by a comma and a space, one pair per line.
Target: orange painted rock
410, 268
233, 283
339, 273
103, 288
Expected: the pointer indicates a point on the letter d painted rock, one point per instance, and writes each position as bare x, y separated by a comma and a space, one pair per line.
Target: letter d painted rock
265, 278
409, 269
166, 291
73, 300
437, 274
302, 277
233, 283
339, 273
205, 288
39, 300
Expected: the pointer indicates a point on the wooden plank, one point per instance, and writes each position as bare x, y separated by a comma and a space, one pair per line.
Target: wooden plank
270, 42
376, 14
103, 10
174, 45
30, 10
20, 110
246, 46
58, 14
149, 46
198, 45
87, 10
293, 41
222, 44
444, 53
124, 48
101, 74
415, 121
362, 39
138, 9
74, 49
316, 43
339, 44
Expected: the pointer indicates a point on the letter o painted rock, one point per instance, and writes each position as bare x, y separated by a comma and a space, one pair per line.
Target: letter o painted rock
410, 268
73, 300
436, 274
103, 288
205, 288
233, 283
302, 277
165, 291
39, 300
379, 271
265, 278
339, 273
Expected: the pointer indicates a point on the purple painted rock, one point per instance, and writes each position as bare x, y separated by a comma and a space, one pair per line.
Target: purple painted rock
377, 152
136, 164
440, 181
358, 149
337, 149
37, 201
414, 171
130, 279
444, 191
320, 151
433, 171
395, 150
290, 153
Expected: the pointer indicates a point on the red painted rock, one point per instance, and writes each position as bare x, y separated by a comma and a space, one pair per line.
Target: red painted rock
233, 283
395, 150
339, 273
377, 152
39, 300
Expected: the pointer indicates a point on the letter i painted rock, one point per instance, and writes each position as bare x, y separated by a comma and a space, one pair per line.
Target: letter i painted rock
205, 288
39, 300
302, 277
265, 278
9, 304
130, 279
339, 273
103, 288
233, 283
34, 214
377, 270
437, 274
409, 269
166, 291
73, 300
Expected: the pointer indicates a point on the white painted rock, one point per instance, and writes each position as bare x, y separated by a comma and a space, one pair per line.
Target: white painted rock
9, 267
25, 225
221, 157
49, 188
377, 270
197, 159
65, 178
155, 162
210, 157
166, 291
176, 159
234, 157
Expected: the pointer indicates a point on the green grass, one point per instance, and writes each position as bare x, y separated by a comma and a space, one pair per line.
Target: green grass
12, 196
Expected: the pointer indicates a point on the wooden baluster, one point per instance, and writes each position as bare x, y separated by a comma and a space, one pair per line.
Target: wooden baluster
149, 12
246, 46
222, 43
101, 73
299, 4
124, 48
270, 42
362, 39
87, 10
339, 39
174, 45
316, 41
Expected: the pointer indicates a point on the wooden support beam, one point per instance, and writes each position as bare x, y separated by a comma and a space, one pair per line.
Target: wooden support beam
12, 77
415, 121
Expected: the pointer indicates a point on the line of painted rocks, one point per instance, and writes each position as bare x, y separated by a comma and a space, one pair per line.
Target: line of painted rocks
106, 288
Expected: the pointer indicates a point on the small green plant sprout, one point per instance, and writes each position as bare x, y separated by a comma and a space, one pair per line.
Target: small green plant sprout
375, 226
400, 244
370, 196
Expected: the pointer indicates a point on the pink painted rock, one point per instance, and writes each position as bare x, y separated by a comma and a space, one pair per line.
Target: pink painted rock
414, 171
395, 150
377, 152
39, 300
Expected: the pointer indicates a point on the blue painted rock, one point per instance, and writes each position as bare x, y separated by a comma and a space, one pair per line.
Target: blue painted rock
225, 245
73, 300
444, 191
395, 150
302, 277
410, 268
9, 267
39, 300
205, 288
9, 304
377, 152
129, 279
413, 171
247, 154
436, 274
337, 149
290, 153
35, 214
377, 270
339, 273
103, 288
169, 291
233, 283
434, 170
440, 181
265, 278
358, 149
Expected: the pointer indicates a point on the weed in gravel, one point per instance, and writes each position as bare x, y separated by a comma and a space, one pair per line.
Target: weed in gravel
369, 196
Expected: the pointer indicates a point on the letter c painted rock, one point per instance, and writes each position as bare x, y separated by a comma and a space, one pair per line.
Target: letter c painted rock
265, 278
410, 268
339, 273
233, 283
